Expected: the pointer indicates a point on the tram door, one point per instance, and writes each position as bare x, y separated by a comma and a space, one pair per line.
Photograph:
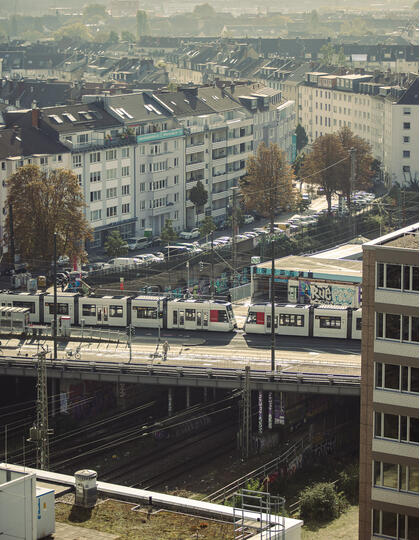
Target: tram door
178, 318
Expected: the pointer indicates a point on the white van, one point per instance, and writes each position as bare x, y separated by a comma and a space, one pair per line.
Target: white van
124, 261
138, 243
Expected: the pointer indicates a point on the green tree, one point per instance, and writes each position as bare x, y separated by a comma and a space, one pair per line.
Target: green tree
324, 165
115, 246
204, 11
301, 137
321, 503
327, 53
363, 163
168, 233
113, 37
73, 33
268, 184
199, 197
297, 164
207, 226
93, 12
142, 23
128, 36
44, 203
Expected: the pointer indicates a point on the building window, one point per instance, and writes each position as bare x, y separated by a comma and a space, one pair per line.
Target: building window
95, 176
142, 186
395, 476
111, 174
94, 157
111, 193
125, 152
406, 153
406, 168
176, 162
125, 209
111, 155
406, 110
125, 190
397, 276
176, 179
396, 427
82, 139
77, 160
142, 168
395, 377
406, 125
125, 171
286, 319
111, 211
116, 311
95, 196
79, 179
95, 215
394, 526
406, 139
397, 327
142, 223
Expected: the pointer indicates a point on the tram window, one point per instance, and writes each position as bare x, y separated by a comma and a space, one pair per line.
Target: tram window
330, 322
175, 317
144, 312
252, 317
268, 321
287, 319
190, 314
30, 305
62, 309
205, 319
89, 310
181, 317
222, 316
218, 315
116, 311
230, 311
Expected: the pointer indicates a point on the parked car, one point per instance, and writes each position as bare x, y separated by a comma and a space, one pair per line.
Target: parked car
224, 239
189, 235
240, 237
138, 243
251, 234
248, 219
193, 246
147, 258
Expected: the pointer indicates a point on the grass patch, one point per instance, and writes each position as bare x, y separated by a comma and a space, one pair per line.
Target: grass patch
115, 517
345, 527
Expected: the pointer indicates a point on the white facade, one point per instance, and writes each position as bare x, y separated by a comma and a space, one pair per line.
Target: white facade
376, 118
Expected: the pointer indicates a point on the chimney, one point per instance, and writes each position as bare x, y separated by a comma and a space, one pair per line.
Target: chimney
35, 118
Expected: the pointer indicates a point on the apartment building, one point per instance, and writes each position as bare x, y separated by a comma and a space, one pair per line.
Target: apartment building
389, 425
385, 116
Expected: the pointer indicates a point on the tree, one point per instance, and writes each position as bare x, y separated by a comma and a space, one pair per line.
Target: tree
208, 226
301, 137
142, 23
168, 234
113, 37
327, 53
297, 164
268, 184
204, 11
44, 203
128, 36
73, 33
198, 196
324, 165
363, 163
93, 12
115, 246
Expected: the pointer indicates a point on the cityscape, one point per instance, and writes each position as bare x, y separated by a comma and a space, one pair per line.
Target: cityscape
209, 270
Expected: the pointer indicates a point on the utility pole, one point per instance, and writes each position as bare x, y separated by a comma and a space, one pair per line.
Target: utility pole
12, 236
234, 232
55, 297
212, 266
39, 433
273, 333
246, 426
352, 183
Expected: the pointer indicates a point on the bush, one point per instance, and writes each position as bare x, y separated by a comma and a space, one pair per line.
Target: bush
321, 502
348, 483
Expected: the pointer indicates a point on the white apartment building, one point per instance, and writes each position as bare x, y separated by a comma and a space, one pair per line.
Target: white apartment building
372, 111
158, 158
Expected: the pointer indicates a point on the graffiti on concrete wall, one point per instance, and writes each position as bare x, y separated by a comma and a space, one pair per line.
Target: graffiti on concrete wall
323, 293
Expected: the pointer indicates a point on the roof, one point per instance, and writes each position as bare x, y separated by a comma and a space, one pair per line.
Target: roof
184, 103
406, 238
138, 106
217, 99
347, 251
411, 96
26, 141
318, 266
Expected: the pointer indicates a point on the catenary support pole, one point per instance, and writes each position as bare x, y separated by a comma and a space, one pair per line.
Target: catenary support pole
55, 297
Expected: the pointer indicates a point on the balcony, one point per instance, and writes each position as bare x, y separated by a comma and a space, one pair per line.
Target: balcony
194, 166
219, 144
196, 147
195, 178
219, 155
100, 143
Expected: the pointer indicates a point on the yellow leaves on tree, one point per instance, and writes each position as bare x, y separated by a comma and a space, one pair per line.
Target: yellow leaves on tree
268, 186
44, 202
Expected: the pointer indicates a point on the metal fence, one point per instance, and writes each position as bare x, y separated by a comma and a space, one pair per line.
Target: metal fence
241, 292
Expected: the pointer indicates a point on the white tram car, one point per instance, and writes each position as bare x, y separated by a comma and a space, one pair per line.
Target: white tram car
305, 320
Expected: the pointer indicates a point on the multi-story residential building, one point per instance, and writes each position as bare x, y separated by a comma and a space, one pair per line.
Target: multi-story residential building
158, 168
385, 116
22, 143
389, 423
